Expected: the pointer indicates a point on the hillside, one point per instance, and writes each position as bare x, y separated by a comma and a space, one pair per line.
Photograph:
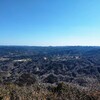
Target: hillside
48, 66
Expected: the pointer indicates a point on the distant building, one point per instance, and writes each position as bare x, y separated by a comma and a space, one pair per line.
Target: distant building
45, 58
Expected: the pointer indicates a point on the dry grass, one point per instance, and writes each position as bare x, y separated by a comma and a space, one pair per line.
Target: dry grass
37, 92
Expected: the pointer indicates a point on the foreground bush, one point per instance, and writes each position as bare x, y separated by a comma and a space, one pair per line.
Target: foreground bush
40, 92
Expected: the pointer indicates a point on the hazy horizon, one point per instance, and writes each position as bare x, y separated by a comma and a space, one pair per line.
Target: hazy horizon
50, 22
50, 45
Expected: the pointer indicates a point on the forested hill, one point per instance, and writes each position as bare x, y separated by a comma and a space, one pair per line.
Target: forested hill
29, 65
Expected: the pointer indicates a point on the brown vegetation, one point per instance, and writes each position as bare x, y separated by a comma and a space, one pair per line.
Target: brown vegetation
40, 92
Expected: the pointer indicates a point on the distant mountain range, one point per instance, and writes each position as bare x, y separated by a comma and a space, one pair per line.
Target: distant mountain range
74, 64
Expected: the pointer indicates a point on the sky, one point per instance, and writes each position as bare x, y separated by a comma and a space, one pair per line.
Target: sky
50, 22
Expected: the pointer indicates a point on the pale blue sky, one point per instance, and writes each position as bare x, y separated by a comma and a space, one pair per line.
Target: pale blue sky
50, 22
